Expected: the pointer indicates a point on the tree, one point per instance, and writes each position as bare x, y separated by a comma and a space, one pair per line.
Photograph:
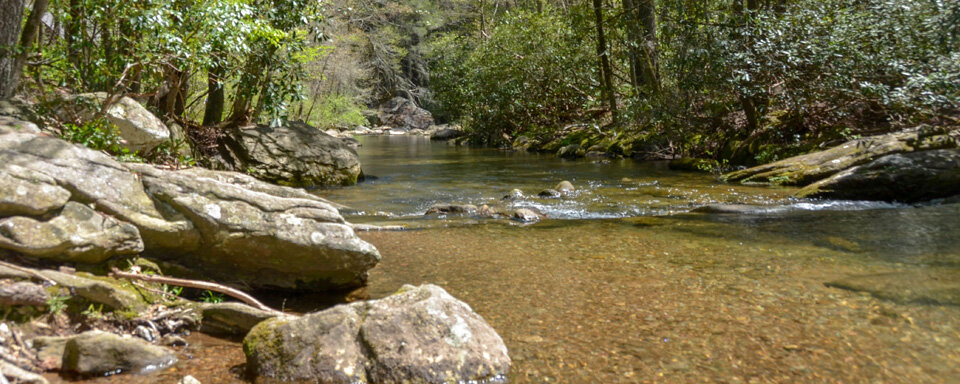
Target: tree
603, 56
11, 17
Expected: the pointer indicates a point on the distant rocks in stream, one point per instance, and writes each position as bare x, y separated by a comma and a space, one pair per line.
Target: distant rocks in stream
417, 335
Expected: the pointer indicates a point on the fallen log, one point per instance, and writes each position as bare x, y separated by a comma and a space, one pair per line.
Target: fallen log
239, 295
22, 293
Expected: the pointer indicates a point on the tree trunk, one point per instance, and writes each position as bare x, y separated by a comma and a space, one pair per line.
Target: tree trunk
74, 37
647, 15
606, 87
632, 27
11, 17
31, 32
213, 112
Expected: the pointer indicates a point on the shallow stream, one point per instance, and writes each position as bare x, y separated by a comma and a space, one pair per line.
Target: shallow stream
621, 283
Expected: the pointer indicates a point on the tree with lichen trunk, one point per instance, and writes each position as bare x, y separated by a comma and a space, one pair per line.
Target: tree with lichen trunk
11, 17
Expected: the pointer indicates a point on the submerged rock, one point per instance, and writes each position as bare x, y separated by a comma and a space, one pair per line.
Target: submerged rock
514, 195
418, 335
727, 208
456, 209
77, 234
908, 177
294, 154
805, 169
925, 286
96, 352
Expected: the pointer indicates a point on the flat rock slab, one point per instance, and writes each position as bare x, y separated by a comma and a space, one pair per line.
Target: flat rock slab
906, 177
231, 318
77, 234
418, 335
806, 169
29, 193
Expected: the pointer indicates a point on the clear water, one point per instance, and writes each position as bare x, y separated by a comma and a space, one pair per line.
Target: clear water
622, 284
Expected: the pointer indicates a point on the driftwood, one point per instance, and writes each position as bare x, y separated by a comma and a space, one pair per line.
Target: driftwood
22, 293
239, 295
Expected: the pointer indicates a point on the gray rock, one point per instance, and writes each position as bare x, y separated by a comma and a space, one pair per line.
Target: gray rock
49, 350
259, 235
141, 130
188, 380
811, 167
571, 151
527, 215
908, 177
221, 225
446, 132
419, 335
94, 177
28, 193
231, 318
728, 208
514, 195
549, 194
98, 290
96, 352
10, 124
456, 209
78, 234
404, 114
295, 154
565, 187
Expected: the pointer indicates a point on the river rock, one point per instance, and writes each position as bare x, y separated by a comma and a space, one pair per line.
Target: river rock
22, 293
96, 352
97, 290
924, 286
527, 215
805, 169
294, 154
28, 193
49, 350
445, 132
404, 114
78, 234
549, 194
231, 318
140, 130
220, 225
514, 195
456, 209
418, 335
571, 151
259, 235
565, 187
906, 177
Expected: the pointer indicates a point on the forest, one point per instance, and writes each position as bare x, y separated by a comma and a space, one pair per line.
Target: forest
741, 82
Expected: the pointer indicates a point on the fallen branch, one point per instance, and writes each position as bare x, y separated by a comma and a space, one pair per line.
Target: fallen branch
28, 271
19, 374
247, 299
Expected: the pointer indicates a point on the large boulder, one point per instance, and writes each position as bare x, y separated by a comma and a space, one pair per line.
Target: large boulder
445, 132
805, 169
96, 353
140, 130
402, 113
907, 177
77, 234
294, 154
218, 225
257, 234
419, 335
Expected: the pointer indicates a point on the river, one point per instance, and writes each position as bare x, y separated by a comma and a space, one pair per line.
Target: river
622, 283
